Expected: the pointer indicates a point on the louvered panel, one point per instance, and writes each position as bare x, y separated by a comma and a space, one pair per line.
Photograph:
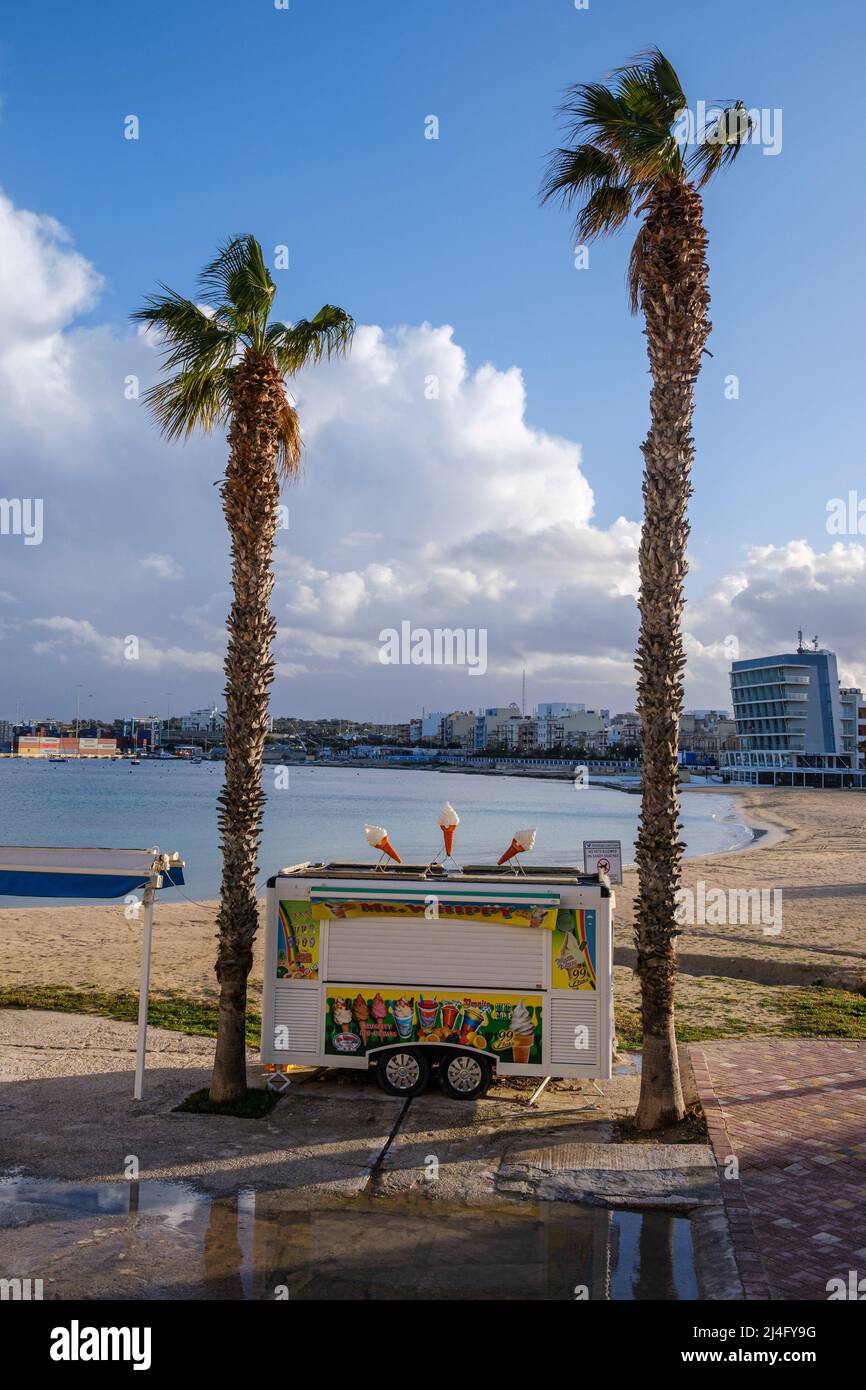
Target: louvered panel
476, 955
568, 1013
299, 1010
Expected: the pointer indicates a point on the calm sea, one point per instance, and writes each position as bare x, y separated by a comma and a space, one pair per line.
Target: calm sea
321, 814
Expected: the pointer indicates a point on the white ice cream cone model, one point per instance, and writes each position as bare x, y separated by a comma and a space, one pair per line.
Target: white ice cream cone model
521, 844
377, 836
448, 823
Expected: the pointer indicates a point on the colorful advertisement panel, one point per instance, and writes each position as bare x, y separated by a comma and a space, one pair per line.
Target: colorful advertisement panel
573, 946
359, 1018
435, 908
297, 942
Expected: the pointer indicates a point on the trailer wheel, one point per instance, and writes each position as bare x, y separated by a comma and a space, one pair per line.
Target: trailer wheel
403, 1072
465, 1075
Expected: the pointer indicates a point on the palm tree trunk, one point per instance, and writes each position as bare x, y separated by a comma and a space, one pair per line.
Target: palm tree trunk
675, 302
250, 493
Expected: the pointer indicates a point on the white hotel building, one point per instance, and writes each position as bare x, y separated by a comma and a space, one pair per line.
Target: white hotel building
795, 725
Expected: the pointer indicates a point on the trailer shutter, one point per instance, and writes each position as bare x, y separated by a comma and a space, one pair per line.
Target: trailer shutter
300, 1011
381, 951
569, 1013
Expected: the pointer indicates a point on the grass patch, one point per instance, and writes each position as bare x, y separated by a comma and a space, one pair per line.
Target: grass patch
819, 1012
253, 1106
180, 1014
813, 1011
629, 1037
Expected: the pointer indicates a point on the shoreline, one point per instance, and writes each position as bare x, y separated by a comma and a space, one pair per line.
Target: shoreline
725, 970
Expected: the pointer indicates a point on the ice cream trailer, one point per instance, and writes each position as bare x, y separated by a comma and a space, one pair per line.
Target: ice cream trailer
472, 973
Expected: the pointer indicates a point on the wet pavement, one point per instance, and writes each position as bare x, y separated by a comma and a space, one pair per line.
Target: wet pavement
149, 1240
340, 1191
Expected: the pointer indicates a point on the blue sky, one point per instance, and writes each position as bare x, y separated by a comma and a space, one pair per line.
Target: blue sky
306, 127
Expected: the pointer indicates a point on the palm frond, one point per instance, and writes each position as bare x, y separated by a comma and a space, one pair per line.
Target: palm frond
190, 400
239, 274
605, 210
201, 345
175, 318
634, 278
652, 70
329, 334
721, 144
290, 445
570, 172
621, 145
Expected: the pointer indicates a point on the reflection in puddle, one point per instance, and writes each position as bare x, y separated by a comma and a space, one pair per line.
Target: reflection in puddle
157, 1240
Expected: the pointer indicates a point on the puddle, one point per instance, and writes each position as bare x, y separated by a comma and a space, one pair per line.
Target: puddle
157, 1240
628, 1064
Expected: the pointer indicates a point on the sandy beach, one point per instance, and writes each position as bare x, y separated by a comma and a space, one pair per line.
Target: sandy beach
811, 849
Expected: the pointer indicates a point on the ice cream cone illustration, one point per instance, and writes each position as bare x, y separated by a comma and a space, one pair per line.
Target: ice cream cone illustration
523, 1031
448, 823
569, 956
377, 836
378, 1010
342, 1015
362, 1016
523, 842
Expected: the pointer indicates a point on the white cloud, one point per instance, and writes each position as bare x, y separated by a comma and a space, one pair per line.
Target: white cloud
44, 285
163, 566
70, 636
426, 497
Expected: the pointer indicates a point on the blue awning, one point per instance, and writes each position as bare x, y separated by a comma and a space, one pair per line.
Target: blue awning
32, 871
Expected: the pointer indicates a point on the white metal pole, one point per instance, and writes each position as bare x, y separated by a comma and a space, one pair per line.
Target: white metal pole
143, 992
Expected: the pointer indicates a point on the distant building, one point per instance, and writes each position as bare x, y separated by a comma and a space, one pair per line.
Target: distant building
458, 730
705, 734
431, 726
795, 724
557, 711
494, 727
203, 721
580, 729
624, 730
63, 746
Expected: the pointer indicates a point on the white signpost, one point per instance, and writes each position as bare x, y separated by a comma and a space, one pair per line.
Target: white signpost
604, 855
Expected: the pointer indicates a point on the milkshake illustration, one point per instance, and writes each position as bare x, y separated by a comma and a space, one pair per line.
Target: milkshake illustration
404, 1013
474, 1017
450, 1010
523, 1029
342, 1015
427, 1011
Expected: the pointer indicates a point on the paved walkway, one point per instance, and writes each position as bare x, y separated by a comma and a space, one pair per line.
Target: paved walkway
793, 1113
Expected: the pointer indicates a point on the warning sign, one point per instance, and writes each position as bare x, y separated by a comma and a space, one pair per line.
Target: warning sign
604, 855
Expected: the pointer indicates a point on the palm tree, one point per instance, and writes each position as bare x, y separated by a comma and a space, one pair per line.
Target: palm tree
226, 363
624, 158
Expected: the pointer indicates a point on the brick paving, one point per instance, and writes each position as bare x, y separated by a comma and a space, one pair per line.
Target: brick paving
793, 1113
